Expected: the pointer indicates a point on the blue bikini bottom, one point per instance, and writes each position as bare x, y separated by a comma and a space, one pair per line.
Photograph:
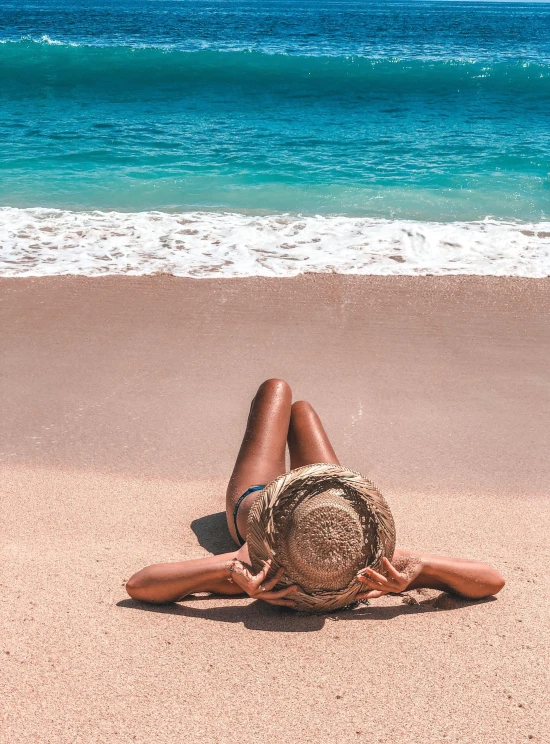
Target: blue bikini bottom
236, 509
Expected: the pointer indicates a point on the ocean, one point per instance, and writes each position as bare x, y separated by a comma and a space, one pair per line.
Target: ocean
271, 138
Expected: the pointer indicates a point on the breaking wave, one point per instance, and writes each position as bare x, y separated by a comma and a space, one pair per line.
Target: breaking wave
49, 242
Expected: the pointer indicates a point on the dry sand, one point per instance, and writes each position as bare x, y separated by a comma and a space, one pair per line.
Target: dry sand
123, 402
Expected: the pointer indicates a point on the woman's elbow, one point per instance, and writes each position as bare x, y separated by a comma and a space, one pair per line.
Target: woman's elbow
487, 584
491, 586
139, 586
497, 583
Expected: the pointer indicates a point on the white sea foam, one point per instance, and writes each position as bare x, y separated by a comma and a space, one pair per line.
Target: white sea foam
48, 242
44, 39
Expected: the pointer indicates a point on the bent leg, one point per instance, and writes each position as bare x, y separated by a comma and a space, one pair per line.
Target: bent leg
308, 442
262, 454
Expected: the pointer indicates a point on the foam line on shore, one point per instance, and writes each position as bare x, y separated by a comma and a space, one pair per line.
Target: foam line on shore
50, 242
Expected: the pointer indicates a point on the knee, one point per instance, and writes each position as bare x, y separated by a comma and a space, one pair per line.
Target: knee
275, 386
301, 408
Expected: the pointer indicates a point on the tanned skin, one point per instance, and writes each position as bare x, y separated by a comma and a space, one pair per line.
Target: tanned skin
273, 423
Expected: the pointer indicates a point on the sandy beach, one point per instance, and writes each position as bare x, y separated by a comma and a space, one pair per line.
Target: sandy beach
123, 402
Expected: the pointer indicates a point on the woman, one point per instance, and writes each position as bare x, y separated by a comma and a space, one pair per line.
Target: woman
274, 421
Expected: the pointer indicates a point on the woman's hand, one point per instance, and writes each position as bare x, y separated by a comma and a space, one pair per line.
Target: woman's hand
258, 588
394, 582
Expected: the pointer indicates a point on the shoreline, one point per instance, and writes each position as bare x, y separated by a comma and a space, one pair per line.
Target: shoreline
224, 244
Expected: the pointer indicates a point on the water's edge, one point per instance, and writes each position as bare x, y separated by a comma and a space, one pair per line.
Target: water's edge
48, 242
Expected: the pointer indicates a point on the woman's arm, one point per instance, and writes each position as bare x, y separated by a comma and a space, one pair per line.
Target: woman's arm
221, 574
170, 582
412, 570
470, 579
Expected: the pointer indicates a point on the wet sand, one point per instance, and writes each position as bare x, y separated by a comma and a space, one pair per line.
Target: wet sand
123, 401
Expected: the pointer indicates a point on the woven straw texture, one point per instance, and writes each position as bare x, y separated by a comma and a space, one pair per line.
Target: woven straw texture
323, 523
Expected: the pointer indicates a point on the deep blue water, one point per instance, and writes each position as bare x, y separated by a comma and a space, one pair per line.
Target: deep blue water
420, 110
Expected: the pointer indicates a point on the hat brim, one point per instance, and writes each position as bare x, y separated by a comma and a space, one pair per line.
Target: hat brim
269, 512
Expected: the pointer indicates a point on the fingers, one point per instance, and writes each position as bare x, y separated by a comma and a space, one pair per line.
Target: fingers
393, 572
374, 585
280, 597
277, 595
371, 595
379, 585
258, 579
256, 589
393, 583
373, 580
375, 576
270, 583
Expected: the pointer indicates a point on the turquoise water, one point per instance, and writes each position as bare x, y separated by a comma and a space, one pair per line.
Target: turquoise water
418, 110
231, 138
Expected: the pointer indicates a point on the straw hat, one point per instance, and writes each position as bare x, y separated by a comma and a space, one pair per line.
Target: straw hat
323, 523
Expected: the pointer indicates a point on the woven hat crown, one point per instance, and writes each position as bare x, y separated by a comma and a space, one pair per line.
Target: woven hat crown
322, 523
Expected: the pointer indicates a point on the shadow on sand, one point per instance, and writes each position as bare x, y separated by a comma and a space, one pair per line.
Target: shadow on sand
260, 616
212, 533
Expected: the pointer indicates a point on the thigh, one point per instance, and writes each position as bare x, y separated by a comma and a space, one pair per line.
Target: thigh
262, 455
308, 442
